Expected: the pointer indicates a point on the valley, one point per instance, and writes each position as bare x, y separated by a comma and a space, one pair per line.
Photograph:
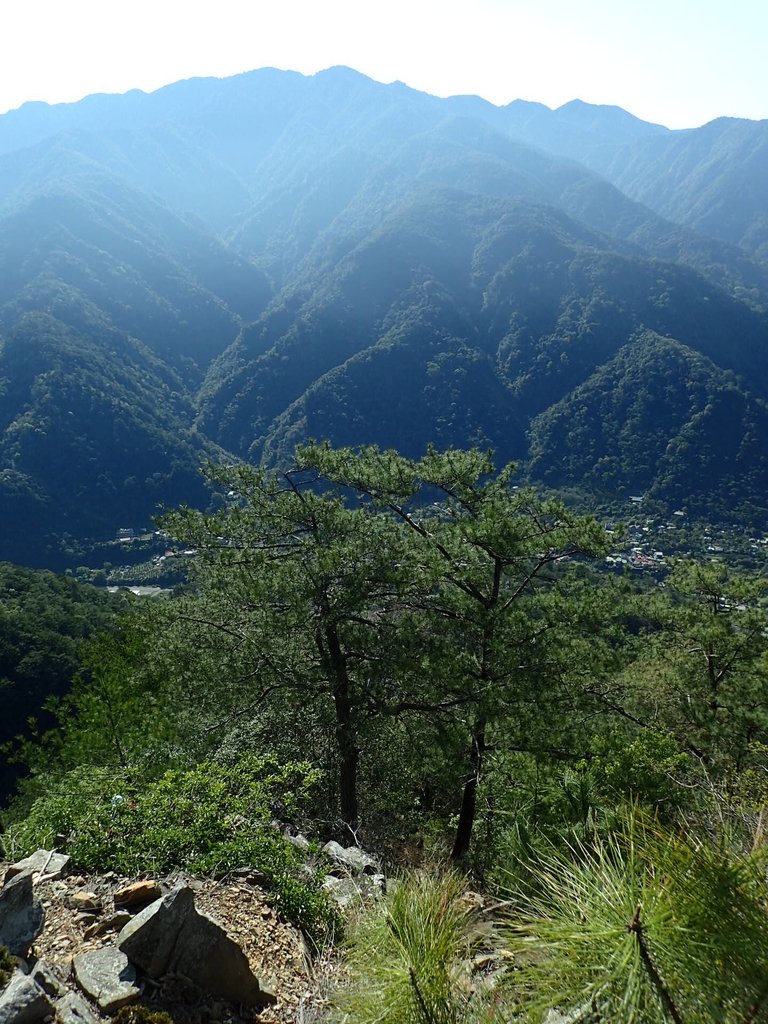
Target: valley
224, 268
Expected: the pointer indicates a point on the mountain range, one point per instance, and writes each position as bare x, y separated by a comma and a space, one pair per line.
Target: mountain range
225, 267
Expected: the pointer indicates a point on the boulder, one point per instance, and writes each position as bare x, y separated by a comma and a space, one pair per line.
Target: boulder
47, 863
347, 890
149, 939
73, 1009
170, 935
21, 915
47, 980
343, 891
22, 1001
352, 858
107, 977
300, 841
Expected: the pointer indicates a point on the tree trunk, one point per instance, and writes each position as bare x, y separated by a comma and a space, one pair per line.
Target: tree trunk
349, 756
468, 810
346, 739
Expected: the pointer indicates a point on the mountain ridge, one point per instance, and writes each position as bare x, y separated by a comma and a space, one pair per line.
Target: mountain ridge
225, 266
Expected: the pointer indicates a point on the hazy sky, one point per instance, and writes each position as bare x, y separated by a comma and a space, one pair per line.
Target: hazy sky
679, 62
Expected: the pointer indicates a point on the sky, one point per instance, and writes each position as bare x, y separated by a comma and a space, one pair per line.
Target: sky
677, 62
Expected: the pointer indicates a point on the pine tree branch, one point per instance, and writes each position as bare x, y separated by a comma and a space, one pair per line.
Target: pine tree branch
636, 928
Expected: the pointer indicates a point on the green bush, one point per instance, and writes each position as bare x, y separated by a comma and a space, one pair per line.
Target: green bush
409, 959
640, 770
527, 802
7, 966
69, 805
210, 819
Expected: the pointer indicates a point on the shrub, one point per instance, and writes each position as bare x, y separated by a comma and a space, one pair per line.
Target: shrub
210, 819
645, 926
408, 959
66, 809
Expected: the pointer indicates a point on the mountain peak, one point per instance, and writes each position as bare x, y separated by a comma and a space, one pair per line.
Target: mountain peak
593, 114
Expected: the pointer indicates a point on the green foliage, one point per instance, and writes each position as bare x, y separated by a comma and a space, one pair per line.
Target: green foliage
408, 958
72, 804
643, 926
7, 966
700, 676
138, 1014
371, 586
210, 819
529, 802
628, 429
642, 769
45, 623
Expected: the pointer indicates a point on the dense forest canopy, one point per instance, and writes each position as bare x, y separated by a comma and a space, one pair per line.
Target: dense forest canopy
45, 622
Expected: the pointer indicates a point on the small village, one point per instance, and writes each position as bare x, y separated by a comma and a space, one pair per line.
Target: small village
651, 544
149, 563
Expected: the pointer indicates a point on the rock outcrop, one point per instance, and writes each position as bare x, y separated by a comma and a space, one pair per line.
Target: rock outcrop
170, 935
107, 977
22, 1001
90, 944
355, 875
44, 863
21, 915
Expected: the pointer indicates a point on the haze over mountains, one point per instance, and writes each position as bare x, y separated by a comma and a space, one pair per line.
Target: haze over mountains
225, 267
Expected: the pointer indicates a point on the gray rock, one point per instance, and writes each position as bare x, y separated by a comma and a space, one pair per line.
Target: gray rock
47, 863
22, 1001
73, 1009
352, 858
21, 915
107, 977
360, 861
343, 891
149, 939
334, 852
347, 890
47, 980
170, 935
300, 841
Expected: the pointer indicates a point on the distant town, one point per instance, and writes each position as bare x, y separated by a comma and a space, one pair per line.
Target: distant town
149, 562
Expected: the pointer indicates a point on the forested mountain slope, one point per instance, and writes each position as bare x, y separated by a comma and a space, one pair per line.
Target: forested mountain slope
224, 267
713, 178
474, 318
45, 621
107, 323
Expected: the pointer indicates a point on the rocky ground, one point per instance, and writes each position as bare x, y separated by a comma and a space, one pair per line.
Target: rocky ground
82, 914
